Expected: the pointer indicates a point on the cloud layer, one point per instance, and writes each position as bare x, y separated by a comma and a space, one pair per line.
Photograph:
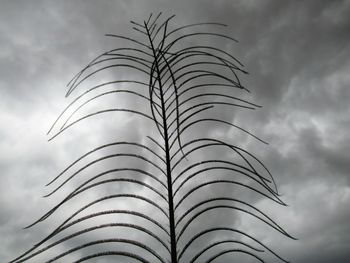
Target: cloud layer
297, 57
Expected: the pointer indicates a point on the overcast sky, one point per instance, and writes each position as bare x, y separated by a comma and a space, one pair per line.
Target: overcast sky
297, 55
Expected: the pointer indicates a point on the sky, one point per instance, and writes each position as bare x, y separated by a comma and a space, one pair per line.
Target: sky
296, 53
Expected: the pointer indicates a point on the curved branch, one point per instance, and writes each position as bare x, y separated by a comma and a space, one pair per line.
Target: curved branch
105, 158
199, 186
236, 149
88, 91
218, 161
194, 25
125, 180
105, 146
229, 229
111, 240
188, 50
104, 94
251, 105
224, 63
267, 221
231, 251
193, 114
133, 181
204, 73
222, 242
221, 121
101, 69
114, 253
86, 230
81, 189
172, 43
128, 38
72, 82
100, 112
197, 173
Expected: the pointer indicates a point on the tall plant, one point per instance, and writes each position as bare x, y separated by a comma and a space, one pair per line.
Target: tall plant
183, 181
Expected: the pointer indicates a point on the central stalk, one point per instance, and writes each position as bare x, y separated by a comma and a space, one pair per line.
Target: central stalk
173, 248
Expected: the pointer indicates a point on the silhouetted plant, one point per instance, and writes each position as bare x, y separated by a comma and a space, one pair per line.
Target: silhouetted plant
177, 181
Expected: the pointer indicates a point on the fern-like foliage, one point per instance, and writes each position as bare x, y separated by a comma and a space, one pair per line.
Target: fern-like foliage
162, 199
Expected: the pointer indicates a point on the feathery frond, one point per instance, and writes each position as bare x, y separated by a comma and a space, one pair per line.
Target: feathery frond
181, 86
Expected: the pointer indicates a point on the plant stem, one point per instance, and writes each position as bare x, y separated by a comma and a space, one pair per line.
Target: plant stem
173, 246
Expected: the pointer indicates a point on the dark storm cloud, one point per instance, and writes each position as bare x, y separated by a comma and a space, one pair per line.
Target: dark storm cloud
297, 56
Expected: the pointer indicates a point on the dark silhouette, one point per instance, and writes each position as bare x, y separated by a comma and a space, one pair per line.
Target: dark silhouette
184, 84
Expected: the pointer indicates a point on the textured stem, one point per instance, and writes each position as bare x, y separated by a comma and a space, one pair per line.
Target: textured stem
170, 190
173, 246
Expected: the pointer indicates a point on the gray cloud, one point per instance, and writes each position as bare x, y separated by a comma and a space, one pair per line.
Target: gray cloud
296, 54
